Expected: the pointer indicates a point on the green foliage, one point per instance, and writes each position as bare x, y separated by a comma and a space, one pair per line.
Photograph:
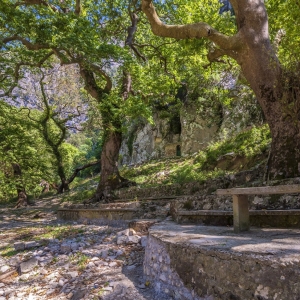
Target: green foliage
21, 143
69, 153
247, 144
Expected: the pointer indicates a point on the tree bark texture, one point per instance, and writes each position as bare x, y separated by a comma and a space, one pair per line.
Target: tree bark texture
277, 90
22, 196
110, 178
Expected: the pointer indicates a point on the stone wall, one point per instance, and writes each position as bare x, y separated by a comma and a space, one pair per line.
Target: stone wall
158, 270
214, 264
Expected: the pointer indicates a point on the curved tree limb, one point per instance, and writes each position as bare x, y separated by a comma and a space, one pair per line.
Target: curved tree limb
27, 44
189, 31
103, 74
130, 37
77, 170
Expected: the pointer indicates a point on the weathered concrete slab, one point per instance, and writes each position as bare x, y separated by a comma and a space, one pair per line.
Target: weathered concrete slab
207, 262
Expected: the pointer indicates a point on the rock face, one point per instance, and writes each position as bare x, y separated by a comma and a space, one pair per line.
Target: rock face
186, 133
196, 131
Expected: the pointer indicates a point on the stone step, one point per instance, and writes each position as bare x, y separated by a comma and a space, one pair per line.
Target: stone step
259, 218
142, 225
120, 205
166, 198
97, 214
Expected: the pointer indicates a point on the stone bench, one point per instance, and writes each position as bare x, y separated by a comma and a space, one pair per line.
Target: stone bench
240, 201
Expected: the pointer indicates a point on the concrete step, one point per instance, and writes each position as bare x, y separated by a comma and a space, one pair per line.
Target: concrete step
259, 218
166, 198
97, 213
142, 225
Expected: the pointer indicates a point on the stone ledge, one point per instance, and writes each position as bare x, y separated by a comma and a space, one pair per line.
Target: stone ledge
294, 212
205, 262
91, 214
259, 218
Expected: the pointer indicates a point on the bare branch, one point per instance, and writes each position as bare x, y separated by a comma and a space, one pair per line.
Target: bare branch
189, 31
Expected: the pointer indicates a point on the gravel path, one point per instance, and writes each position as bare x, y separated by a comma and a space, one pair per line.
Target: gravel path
63, 260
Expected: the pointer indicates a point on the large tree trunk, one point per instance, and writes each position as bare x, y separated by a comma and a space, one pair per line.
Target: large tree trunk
277, 91
110, 179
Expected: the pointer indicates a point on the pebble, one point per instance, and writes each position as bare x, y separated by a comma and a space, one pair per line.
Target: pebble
4, 268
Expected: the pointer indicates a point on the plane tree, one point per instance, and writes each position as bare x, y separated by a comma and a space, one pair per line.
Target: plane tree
88, 34
268, 59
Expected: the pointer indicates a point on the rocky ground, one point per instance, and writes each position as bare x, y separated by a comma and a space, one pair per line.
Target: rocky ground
45, 258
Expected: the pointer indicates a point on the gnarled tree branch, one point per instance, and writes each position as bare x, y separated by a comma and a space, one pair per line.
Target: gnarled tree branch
189, 31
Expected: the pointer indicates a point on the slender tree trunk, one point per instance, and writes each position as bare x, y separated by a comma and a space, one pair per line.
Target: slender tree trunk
22, 196
64, 184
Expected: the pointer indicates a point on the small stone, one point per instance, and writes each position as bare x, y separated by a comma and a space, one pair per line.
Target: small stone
73, 274
51, 291
131, 267
91, 264
43, 271
28, 265
162, 277
78, 295
4, 268
144, 241
119, 253
134, 239
112, 264
74, 246
65, 248
31, 244
141, 286
19, 246
121, 239
104, 253
61, 282
95, 258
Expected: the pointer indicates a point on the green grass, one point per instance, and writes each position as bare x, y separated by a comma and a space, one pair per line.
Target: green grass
8, 251
80, 259
59, 232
